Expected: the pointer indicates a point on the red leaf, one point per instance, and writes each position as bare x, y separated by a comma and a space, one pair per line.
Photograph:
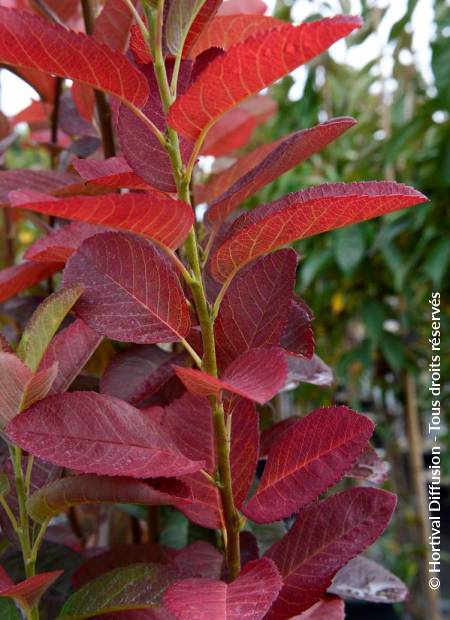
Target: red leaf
61, 243
283, 155
43, 83
313, 371
234, 128
14, 378
39, 386
111, 28
113, 172
313, 455
243, 70
37, 180
27, 40
59, 495
83, 98
199, 560
255, 308
153, 214
140, 147
205, 14
5, 579
249, 597
5, 347
231, 132
232, 7
257, 375
139, 47
97, 434
188, 420
298, 336
36, 112
244, 450
324, 538
71, 348
157, 613
28, 592
137, 373
115, 271
370, 467
113, 24
15, 279
328, 608
272, 435
226, 30
365, 580
304, 214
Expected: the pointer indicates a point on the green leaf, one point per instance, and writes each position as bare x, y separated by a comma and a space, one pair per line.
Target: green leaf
393, 350
8, 610
43, 325
179, 19
349, 247
59, 495
314, 263
139, 586
373, 315
176, 529
266, 534
437, 262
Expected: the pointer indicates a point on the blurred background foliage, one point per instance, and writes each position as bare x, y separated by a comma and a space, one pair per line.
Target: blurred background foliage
369, 285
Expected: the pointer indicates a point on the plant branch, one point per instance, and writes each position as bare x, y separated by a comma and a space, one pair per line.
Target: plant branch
101, 103
206, 321
139, 21
9, 513
220, 297
197, 359
46, 11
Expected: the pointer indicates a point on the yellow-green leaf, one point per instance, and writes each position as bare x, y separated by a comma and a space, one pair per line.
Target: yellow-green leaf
139, 586
44, 323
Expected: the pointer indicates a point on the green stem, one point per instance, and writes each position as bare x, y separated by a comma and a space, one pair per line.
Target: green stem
9, 513
29, 549
204, 313
230, 513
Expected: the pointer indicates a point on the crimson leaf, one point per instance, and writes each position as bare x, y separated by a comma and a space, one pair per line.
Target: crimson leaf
328, 608
257, 375
153, 214
247, 598
132, 292
324, 538
243, 70
138, 372
225, 31
15, 279
255, 308
71, 348
59, 495
311, 456
306, 213
282, 156
98, 434
28, 592
30, 41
